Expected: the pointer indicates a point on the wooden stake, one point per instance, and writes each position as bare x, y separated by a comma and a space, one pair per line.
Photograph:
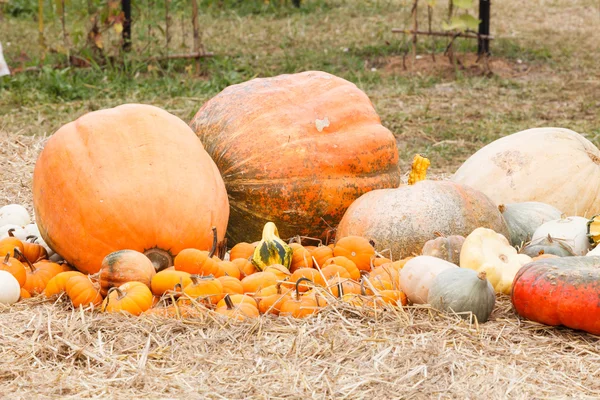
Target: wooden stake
41, 40
196, 28
167, 18
415, 29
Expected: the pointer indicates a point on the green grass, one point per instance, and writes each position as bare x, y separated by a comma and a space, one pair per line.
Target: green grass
546, 71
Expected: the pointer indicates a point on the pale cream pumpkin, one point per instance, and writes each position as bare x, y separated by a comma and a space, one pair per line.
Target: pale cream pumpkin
523, 167
490, 252
417, 275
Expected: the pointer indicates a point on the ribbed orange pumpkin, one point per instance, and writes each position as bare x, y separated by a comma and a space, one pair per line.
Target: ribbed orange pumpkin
295, 150
131, 177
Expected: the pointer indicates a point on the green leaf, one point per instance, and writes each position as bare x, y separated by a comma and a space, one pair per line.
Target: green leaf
470, 22
456, 24
464, 4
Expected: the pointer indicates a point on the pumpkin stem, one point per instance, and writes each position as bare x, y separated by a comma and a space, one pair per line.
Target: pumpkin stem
197, 278
10, 232
6, 258
501, 208
161, 259
31, 237
23, 258
298, 284
214, 245
482, 275
120, 295
419, 169
228, 302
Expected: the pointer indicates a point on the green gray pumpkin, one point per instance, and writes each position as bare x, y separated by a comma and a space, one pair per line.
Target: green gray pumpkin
524, 218
462, 290
548, 245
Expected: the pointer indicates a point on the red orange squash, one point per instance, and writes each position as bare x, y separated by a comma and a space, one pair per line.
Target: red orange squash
131, 177
560, 291
295, 150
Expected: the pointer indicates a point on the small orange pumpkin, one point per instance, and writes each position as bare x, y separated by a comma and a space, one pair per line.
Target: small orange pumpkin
124, 266
57, 284
231, 285
131, 297
357, 249
302, 305
239, 311
8, 245
272, 298
379, 261
245, 266
39, 274
301, 257
82, 291
322, 254
255, 282
341, 286
280, 271
15, 267
197, 262
237, 299
169, 279
332, 271
227, 268
24, 294
346, 263
241, 250
305, 274
205, 289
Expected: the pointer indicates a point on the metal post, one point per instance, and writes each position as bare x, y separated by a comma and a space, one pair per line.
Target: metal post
126, 6
483, 44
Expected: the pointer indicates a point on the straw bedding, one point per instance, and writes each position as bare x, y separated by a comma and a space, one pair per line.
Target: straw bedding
49, 350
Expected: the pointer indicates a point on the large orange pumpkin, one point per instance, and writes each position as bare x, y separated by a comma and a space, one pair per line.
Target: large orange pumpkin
131, 177
295, 150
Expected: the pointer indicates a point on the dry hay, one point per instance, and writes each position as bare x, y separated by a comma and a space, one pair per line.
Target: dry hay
49, 350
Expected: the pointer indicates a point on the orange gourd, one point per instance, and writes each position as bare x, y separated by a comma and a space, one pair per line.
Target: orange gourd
24, 294
114, 178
